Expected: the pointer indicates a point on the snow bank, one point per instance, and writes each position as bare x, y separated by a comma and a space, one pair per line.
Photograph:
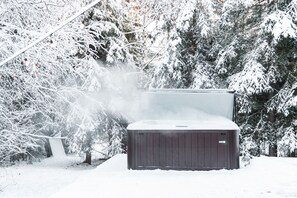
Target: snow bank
265, 177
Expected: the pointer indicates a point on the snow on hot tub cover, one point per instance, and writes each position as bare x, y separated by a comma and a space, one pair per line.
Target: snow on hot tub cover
219, 123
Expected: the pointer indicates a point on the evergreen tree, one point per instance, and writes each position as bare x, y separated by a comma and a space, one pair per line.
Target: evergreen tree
248, 46
266, 79
181, 67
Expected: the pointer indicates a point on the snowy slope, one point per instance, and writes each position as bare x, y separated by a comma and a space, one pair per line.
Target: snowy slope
265, 177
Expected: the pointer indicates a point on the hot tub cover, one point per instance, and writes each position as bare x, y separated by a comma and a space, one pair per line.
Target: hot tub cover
219, 123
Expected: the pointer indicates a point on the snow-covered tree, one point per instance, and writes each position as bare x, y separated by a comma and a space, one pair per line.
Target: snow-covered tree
185, 63
248, 46
268, 75
44, 90
63, 85
30, 81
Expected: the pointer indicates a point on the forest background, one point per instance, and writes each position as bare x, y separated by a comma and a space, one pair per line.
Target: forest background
74, 84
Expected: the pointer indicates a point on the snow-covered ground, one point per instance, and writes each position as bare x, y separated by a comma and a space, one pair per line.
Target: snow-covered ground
40, 179
265, 177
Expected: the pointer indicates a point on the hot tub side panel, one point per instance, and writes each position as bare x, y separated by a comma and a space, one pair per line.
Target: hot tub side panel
234, 148
130, 149
182, 150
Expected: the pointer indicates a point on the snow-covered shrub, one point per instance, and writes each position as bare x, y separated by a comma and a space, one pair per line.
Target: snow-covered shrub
288, 142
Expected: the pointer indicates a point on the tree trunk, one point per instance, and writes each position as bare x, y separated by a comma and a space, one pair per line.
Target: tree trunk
88, 157
47, 148
273, 150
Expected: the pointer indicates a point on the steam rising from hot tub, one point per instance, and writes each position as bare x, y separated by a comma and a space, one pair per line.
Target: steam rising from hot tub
123, 92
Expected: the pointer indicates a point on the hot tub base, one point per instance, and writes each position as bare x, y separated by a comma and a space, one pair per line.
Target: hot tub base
183, 149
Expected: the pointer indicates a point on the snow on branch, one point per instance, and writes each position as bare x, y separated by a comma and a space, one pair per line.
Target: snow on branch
280, 24
64, 23
251, 80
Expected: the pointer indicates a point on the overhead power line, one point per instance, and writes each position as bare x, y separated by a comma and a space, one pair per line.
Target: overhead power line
86, 8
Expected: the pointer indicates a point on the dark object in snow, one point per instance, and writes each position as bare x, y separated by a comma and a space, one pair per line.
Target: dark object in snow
186, 149
88, 159
201, 141
294, 153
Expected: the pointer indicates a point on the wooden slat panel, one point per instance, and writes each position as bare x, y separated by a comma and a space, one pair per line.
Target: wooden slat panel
162, 150
214, 150
138, 149
150, 151
194, 150
143, 154
131, 151
175, 150
169, 150
222, 151
207, 153
232, 149
156, 149
181, 150
201, 150
188, 149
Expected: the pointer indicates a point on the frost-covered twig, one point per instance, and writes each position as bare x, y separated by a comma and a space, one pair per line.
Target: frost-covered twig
45, 36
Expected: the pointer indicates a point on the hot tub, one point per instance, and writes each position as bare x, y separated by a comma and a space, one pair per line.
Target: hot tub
206, 144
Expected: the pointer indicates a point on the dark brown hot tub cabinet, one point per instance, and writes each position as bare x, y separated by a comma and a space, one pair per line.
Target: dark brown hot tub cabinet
183, 145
